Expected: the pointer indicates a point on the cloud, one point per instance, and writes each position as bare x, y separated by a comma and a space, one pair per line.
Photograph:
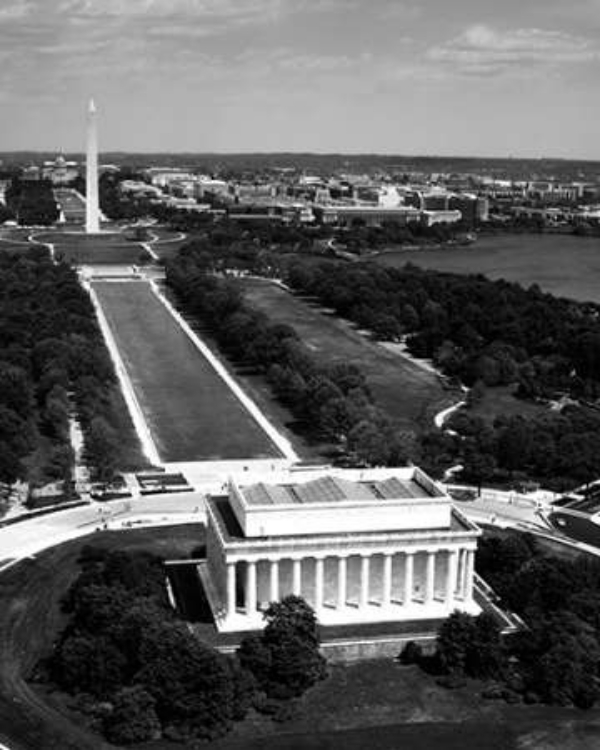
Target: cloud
483, 51
16, 10
239, 11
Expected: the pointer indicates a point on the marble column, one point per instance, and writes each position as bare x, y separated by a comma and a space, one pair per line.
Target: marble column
230, 588
297, 577
364, 582
451, 576
342, 582
469, 572
460, 591
250, 588
386, 594
408, 578
319, 566
274, 570
429, 578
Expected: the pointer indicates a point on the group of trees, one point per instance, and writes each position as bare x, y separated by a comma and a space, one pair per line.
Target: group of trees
360, 238
136, 669
557, 656
52, 354
562, 449
31, 202
334, 402
139, 673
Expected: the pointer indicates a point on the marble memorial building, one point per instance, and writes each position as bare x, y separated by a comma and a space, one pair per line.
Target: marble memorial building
360, 546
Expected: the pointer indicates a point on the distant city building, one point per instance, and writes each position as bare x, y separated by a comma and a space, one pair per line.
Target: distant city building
379, 545
429, 218
60, 171
4, 184
31, 173
139, 189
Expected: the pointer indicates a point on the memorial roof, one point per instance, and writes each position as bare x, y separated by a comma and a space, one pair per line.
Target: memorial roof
232, 531
333, 490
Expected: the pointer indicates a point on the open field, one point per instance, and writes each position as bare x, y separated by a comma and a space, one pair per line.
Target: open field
191, 412
376, 704
80, 249
403, 389
13, 246
500, 401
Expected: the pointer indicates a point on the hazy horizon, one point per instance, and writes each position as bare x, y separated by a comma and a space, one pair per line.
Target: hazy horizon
472, 77
349, 154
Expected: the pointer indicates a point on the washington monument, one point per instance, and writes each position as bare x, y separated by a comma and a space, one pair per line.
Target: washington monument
92, 214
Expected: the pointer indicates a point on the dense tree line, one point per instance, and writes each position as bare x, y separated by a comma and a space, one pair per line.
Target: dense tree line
32, 202
139, 673
560, 449
335, 401
558, 655
52, 354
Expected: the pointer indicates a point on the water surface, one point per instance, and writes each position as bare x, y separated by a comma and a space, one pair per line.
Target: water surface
565, 265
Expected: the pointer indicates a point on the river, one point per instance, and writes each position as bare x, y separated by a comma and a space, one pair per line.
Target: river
565, 265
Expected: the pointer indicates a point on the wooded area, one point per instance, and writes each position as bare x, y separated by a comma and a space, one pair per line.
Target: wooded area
53, 361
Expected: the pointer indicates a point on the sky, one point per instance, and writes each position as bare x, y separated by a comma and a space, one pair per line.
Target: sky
453, 77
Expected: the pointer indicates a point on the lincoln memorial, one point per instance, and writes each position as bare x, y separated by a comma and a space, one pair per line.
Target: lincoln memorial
361, 546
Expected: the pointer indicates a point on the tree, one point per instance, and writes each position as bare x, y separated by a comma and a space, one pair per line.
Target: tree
368, 441
454, 641
285, 660
133, 718
567, 672
190, 682
88, 664
470, 646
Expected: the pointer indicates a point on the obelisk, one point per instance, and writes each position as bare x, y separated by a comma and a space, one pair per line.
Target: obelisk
92, 213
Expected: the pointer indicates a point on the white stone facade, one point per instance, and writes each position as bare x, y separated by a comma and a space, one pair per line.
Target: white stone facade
359, 546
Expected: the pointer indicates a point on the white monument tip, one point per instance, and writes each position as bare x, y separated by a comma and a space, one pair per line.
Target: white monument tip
92, 107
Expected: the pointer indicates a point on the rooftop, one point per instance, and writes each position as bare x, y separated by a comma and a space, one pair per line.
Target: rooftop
330, 489
232, 531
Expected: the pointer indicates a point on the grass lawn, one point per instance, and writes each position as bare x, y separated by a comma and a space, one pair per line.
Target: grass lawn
131, 455
500, 401
405, 391
13, 246
80, 249
192, 414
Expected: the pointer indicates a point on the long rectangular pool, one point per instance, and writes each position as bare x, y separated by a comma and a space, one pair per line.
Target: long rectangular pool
191, 412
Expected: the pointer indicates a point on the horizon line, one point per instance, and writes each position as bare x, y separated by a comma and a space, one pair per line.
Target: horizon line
288, 153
